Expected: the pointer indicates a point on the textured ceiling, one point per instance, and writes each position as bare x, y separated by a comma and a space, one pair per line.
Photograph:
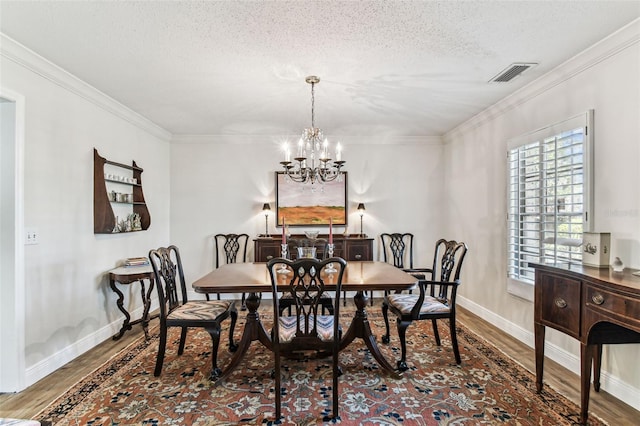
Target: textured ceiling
228, 68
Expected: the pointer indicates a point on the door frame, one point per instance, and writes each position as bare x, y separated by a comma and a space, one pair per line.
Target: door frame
13, 301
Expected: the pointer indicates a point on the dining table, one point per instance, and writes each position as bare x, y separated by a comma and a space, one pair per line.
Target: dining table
254, 279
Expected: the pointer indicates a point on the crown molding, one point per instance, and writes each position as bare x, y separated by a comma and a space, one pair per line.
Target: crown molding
626, 37
25, 57
278, 139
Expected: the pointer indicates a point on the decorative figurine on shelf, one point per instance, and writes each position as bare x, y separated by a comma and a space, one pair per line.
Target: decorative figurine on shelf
122, 225
617, 265
135, 223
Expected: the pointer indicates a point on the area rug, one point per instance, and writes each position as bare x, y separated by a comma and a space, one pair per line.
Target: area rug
487, 388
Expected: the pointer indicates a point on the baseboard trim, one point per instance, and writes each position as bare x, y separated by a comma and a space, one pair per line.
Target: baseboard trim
611, 384
69, 353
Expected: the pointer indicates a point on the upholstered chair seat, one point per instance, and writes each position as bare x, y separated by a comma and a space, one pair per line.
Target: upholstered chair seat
404, 303
289, 327
200, 310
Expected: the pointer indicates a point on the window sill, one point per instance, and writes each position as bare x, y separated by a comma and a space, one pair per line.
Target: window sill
521, 289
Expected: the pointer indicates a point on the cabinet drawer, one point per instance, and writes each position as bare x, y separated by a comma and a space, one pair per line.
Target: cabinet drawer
269, 252
558, 303
358, 250
619, 306
265, 250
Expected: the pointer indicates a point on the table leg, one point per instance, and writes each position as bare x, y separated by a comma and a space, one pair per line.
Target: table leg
360, 328
586, 360
597, 366
126, 325
253, 330
539, 332
146, 300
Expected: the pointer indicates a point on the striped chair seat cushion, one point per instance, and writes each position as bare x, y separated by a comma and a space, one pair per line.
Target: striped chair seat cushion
200, 310
288, 326
289, 298
405, 302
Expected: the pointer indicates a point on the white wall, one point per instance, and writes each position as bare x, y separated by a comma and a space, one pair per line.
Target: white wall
605, 78
219, 184
70, 307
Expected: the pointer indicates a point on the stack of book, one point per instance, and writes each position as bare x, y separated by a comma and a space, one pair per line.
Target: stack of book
136, 261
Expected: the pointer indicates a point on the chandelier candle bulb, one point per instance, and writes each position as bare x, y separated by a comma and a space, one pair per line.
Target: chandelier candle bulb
287, 153
338, 152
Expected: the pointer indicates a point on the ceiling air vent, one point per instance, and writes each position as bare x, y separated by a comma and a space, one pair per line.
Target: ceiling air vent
512, 72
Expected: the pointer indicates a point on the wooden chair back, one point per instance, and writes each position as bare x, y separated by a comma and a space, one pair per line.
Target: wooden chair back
231, 248
397, 249
447, 264
167, 267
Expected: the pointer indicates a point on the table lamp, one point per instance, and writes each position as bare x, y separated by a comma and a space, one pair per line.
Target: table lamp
361, 210
266, 208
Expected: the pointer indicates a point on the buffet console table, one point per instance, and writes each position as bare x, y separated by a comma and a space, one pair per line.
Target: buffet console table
349, 247
595, 306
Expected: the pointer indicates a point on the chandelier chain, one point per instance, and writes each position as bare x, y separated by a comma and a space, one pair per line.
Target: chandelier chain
313, 102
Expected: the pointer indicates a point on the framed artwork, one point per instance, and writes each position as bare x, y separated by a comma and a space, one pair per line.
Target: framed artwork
305, 204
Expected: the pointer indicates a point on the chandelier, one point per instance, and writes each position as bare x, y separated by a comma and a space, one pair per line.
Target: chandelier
312, 162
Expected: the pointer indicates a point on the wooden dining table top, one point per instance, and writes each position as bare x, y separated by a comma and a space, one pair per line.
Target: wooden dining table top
254, 278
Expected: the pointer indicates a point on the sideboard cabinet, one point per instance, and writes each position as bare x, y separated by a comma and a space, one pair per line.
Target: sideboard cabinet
595, 306
349, 247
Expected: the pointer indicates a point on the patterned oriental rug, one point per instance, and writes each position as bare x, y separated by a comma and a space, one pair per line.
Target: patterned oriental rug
487, 388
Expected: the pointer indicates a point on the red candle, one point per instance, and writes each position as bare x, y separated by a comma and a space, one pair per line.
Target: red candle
284, 237
330, 230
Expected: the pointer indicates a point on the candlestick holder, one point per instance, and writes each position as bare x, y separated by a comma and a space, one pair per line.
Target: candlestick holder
330, 269
283, 268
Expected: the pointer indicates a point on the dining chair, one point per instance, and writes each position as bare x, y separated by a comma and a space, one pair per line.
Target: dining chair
177, 311
298, 245
307, 329
397, 249
436, 300
231, 248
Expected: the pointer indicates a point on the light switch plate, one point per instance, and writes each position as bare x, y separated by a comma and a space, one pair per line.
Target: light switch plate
31, 236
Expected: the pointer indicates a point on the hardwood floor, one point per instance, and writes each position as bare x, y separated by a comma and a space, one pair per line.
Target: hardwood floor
602, 404
29, 402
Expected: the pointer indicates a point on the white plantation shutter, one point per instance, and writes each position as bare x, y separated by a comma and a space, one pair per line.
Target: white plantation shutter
548, 196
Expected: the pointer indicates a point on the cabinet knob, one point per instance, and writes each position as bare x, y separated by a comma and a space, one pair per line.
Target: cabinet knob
560, 302
269, 258
598, 299
358, 256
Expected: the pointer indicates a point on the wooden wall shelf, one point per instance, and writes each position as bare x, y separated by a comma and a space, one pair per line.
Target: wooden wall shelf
104, 218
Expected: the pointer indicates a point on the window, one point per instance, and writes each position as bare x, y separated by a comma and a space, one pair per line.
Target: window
548, 194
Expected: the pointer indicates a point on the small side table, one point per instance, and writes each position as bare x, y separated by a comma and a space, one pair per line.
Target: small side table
127, 275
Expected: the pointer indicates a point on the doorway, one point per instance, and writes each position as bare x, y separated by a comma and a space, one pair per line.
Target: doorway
12, 282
